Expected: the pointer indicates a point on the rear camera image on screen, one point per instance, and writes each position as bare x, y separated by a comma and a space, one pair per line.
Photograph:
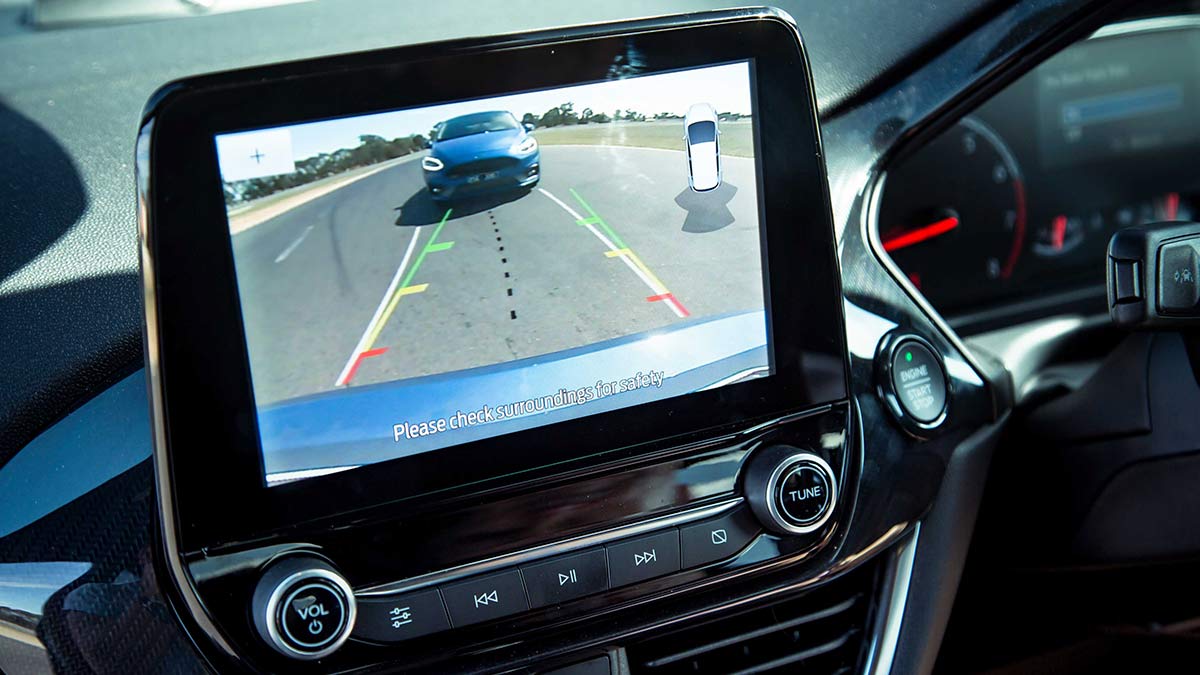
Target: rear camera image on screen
416, 279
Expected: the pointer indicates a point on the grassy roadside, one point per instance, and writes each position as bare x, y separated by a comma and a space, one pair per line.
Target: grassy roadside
736, 137
736, 141
245, 216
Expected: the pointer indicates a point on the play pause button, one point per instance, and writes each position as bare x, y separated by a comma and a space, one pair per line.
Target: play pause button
561, 579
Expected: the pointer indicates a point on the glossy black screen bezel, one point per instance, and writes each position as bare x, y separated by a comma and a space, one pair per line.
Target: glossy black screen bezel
203, 372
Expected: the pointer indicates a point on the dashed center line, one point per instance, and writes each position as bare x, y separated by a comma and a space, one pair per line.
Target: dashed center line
512, 313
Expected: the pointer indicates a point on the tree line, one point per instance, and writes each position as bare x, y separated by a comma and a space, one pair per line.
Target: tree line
371, 149
564, 115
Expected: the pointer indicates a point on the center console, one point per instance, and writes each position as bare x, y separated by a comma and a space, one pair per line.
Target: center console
774, 498
457, 349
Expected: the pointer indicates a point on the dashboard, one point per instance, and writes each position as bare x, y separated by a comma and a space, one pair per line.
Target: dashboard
642, 346
1012, 206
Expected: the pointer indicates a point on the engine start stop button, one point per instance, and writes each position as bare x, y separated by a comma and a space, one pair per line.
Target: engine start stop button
918, 381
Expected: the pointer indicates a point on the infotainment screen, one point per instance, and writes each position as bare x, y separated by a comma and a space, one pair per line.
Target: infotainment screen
419, 278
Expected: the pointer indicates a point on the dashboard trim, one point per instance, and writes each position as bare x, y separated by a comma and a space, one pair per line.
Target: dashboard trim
1026, 348
893, 600
869, 222
1149, 25
164, 488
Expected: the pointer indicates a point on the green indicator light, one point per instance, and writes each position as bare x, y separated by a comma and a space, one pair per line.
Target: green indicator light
908, 356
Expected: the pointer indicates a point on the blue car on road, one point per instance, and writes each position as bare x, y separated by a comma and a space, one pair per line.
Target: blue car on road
481, 153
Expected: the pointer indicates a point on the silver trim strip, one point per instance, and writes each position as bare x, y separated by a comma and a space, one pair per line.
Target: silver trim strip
282, 477
869, 224
547, 550
736, 377
870, 234
894, 600
1150, 25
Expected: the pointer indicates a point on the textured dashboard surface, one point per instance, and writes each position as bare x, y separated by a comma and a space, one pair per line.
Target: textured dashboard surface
70, 100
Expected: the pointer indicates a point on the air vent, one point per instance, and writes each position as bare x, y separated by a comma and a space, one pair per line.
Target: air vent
820, 631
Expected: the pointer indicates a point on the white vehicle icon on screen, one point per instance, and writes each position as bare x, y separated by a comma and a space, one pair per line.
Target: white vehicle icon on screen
700, 135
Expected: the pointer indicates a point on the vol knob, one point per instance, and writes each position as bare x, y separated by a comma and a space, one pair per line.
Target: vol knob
303, 608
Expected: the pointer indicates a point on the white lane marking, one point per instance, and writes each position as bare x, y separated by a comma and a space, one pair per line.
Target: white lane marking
387, 296
612, 247
680, 151
675, 307
574, 214
607, 243
292, 247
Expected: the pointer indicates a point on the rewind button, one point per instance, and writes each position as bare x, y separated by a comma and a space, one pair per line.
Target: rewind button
485, 598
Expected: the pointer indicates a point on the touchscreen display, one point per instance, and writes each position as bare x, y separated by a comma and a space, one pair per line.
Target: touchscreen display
415, 279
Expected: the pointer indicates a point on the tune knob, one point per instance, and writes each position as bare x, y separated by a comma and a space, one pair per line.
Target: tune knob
303, 608
792, 491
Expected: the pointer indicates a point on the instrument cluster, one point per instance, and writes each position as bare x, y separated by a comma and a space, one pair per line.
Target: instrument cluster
1016, 202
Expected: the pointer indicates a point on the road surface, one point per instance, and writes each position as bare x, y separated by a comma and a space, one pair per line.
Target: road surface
373, 282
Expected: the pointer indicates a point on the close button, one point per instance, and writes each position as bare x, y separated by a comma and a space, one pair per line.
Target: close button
717, 538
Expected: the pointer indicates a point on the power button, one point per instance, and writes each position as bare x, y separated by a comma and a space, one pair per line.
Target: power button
303, 608
919, 381
311, 614
912, 383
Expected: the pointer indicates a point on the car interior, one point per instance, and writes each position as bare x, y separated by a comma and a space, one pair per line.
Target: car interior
675, 338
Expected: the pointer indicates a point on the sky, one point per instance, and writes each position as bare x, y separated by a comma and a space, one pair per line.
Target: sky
726, 88
27, 586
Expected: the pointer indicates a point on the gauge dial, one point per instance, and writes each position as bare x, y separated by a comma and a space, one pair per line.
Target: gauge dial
952, 215
1171, 207
1061, 235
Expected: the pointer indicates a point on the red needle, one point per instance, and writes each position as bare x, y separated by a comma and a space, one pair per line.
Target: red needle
1172, 205
1059, 232
920, 234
